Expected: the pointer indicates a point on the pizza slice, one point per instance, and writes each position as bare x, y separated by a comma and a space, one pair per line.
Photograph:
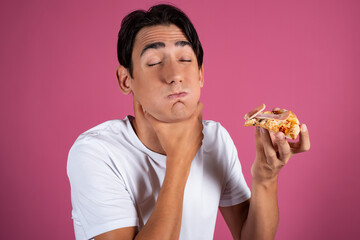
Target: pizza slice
276, 121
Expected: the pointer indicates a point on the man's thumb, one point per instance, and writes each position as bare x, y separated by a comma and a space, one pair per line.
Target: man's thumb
150, 118
147, 115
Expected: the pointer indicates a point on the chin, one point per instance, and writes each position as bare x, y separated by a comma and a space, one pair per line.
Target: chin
177, 113
181, 112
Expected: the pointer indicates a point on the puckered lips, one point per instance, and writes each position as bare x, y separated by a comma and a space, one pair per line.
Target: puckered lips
177, 95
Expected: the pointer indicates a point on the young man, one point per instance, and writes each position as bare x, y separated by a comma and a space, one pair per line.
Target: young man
164, 173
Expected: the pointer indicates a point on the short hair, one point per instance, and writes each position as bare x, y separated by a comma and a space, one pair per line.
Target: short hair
161, 14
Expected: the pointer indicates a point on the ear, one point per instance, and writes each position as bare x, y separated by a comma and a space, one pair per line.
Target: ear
201, 76
123, 77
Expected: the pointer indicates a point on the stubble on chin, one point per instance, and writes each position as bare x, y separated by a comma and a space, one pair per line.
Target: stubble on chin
181, 112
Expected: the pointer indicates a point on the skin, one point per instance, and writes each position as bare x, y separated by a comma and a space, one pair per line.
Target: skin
173, 126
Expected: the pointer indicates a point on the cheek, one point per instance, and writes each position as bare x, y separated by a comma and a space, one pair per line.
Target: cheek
196, 96
150, 97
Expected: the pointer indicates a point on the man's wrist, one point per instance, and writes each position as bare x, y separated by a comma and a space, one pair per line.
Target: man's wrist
177, 170
267, 184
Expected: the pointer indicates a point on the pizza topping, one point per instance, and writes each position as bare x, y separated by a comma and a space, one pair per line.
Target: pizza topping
254, 112
277, 120
281, 117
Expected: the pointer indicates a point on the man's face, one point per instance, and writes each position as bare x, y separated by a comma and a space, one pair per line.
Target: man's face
166, 78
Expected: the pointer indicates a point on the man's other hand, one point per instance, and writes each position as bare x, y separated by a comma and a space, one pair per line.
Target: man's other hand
273, 151
180, 140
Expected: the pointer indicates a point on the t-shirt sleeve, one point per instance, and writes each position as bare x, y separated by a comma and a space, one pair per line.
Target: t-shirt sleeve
100, 200
235, 190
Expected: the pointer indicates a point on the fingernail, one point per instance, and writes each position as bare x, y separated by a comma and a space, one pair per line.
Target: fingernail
303, 128
279, 136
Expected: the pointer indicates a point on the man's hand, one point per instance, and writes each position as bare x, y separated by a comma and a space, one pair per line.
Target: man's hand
273, 151
180, 140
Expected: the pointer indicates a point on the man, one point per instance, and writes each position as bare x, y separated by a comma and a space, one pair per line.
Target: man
164, 173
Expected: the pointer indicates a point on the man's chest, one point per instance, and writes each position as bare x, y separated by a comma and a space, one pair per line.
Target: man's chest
201, 196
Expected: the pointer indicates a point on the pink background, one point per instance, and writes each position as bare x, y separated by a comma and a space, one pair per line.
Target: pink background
58, 61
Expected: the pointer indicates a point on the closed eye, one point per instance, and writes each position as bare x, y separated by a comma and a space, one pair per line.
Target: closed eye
153, 64
185, 60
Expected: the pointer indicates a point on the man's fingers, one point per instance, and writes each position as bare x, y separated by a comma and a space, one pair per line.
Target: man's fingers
276, 109
304, 138
273, 140
258, 143
199, 117
198, 112
153, 121
283, 147
268, 146
303, 144
148, 116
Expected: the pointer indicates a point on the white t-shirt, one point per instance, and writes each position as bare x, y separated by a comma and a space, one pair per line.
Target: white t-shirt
115, 180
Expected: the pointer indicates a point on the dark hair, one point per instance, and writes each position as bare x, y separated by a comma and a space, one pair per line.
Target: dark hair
161, 14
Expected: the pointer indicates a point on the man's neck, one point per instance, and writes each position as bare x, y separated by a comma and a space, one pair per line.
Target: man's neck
145, 131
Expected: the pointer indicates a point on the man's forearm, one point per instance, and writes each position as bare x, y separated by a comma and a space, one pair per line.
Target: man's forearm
263, 216
165, 220
180, 141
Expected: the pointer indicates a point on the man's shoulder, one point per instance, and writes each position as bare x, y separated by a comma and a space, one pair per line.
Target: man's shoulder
105, 137
110, 138
215, 134
210, 125
213, 127
105, 131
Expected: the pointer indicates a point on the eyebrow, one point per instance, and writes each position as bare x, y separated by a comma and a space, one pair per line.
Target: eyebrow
157, 45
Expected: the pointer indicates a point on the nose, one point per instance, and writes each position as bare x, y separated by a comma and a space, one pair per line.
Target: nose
172, 72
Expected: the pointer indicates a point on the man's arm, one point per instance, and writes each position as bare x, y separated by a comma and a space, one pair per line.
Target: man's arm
181, 141
165, 220
258, 218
